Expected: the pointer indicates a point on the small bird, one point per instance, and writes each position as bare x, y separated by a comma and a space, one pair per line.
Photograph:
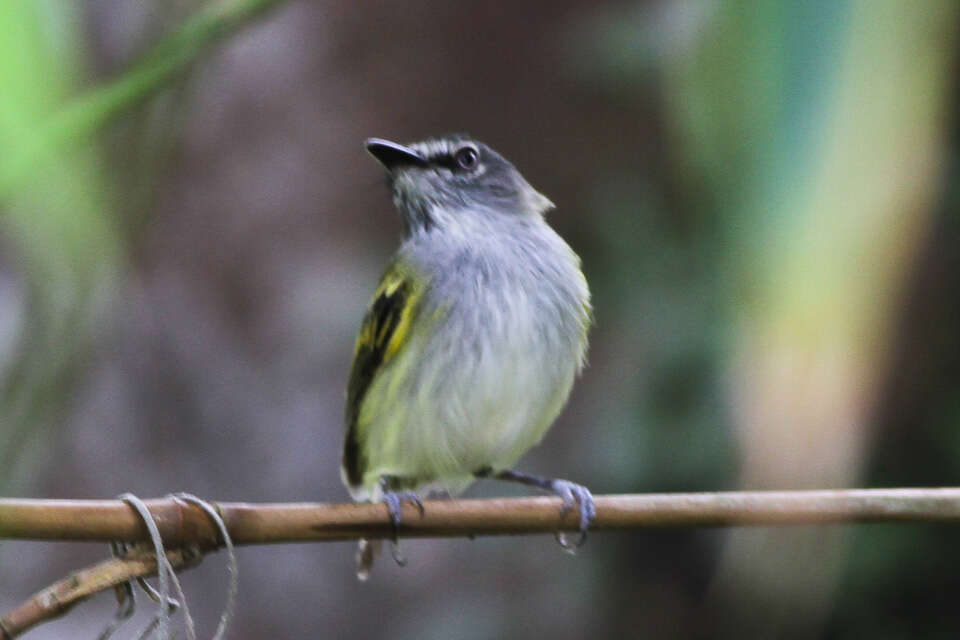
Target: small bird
472, 341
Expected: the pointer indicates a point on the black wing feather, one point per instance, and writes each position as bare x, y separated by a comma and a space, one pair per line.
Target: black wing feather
373, 346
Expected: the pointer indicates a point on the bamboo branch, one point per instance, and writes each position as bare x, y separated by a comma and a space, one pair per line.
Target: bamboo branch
184, 524
60, 597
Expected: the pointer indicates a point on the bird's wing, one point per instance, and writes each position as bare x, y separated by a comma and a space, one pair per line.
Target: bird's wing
385, 330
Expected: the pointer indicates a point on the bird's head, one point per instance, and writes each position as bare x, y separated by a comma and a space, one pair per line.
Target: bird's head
446, 181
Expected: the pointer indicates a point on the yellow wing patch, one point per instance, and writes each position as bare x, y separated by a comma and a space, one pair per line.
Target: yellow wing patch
386, 328
387, 323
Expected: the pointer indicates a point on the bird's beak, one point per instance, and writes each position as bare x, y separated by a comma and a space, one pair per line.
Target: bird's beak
392, 155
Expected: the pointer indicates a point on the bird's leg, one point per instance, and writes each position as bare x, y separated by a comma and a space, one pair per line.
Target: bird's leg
569, 492
394, 501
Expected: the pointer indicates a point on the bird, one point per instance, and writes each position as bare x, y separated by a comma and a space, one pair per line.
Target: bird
472, 341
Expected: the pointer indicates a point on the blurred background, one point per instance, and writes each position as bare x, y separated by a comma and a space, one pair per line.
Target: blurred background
765, 199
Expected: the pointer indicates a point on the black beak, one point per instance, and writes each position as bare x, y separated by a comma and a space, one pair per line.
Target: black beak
393, 155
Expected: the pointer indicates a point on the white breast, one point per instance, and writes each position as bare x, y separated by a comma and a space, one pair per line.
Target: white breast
481, 385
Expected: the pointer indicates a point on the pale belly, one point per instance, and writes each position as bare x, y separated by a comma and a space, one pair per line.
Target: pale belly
477, 404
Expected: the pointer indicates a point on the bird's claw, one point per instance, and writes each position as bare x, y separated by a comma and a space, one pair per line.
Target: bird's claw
394, 501
571, 494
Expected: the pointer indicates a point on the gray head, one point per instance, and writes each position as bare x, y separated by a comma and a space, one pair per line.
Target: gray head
444, 181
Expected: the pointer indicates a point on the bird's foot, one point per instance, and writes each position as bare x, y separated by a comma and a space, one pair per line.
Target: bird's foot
394, 501
572, 493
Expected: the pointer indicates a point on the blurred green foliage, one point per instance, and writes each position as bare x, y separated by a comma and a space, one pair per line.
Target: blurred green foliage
56, 192
57, 222
808, 140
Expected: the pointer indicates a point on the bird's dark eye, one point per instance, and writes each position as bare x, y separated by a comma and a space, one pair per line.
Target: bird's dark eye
467, 158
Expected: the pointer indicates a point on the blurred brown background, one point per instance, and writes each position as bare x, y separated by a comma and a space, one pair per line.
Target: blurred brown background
763, 194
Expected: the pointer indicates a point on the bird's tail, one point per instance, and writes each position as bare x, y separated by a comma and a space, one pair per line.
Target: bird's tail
367, 551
